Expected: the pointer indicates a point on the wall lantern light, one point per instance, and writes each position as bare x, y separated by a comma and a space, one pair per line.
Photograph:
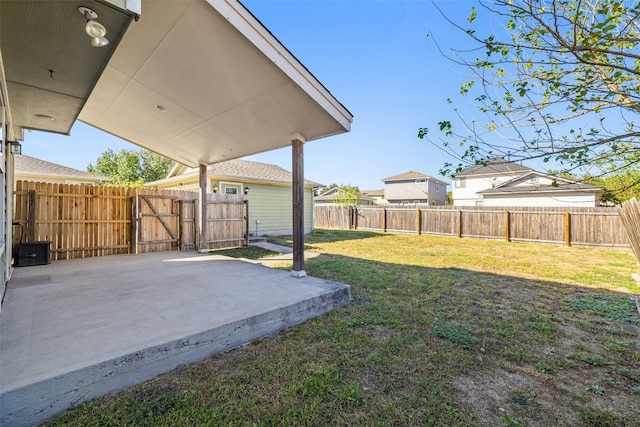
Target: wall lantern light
215, 189
16, 147
246, 190
94, 29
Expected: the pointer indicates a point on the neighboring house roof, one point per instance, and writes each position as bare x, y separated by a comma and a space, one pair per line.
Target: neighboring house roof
237, 169
31, 167
494, 167
328, 195
337, 194
373, 193
413, 175
560, 185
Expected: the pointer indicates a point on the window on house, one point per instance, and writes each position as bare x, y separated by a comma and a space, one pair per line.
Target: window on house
437, 187
461, 183
479, 202
231, 188
420, 181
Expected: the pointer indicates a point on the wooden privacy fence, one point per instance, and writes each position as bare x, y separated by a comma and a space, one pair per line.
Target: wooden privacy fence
568, 226
86, 221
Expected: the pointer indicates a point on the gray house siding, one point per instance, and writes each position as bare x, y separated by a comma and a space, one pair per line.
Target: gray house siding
416, 191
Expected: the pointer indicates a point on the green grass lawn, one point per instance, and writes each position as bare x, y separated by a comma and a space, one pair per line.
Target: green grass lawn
441, 331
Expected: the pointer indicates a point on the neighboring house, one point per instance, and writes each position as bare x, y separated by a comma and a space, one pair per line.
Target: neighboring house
415, 188
29, 168
375, 196
503, 183
469, 182
269, 191
337, 195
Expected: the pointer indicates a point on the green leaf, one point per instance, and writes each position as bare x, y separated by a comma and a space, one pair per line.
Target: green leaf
472, 17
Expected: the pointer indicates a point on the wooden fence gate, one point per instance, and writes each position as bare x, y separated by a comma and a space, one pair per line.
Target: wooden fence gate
155, 223
227, 221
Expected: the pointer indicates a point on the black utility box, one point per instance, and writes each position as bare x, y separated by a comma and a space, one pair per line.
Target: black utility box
33, 253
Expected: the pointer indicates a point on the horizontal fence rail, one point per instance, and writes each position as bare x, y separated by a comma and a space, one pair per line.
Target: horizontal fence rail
566, 226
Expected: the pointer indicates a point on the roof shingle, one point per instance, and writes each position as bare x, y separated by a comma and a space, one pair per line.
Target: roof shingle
494, 167
31, 165
237, 169
412, 175
246, 169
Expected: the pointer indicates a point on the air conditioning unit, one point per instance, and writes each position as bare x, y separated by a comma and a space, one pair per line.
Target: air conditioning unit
33, 253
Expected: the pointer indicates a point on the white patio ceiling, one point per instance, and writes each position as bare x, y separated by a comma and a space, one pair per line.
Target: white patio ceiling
201, 81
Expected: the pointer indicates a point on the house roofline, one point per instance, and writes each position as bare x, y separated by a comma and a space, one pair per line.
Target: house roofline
541, 190
193, 177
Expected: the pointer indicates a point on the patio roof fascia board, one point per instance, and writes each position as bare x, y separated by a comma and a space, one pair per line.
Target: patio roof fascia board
249, 26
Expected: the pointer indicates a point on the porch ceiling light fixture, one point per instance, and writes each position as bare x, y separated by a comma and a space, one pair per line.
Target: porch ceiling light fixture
94, 29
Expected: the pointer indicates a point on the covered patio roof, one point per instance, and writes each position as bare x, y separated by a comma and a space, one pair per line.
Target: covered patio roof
203, 81
198, 81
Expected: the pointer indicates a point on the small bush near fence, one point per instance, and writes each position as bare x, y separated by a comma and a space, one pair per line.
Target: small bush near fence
568, 226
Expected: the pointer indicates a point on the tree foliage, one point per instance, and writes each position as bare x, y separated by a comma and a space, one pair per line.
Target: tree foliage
131, 167
560, 82
618, 187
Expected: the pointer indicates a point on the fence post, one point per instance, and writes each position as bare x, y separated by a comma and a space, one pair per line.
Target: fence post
567, 228
246, 219
418, 222
384, 220
31, 216
134, 224
352, 222
196, 222
460, 223
507, 228
180, 227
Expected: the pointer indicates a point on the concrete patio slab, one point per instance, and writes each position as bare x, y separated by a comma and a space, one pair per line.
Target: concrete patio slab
75, 330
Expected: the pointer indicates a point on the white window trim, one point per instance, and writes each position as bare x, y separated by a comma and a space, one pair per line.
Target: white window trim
225, 184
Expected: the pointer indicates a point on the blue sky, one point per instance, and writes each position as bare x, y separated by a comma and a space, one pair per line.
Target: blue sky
374, 57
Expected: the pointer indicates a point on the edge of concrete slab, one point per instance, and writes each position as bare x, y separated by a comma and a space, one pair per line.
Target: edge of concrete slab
36, 403
273, 247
